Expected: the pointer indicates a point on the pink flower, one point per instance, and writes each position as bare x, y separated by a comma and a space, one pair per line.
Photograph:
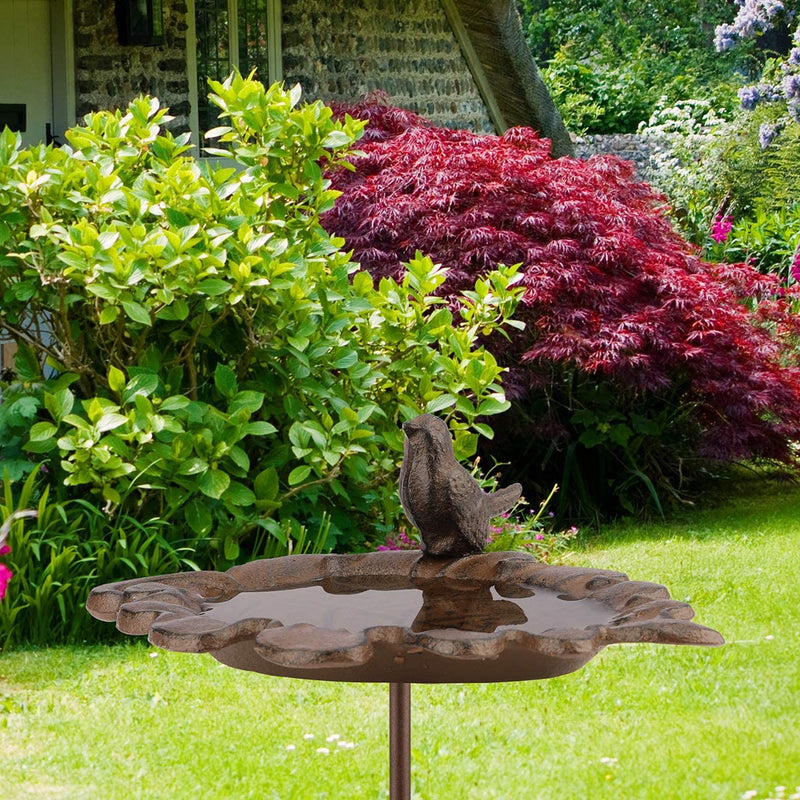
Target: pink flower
5, 576
721, 228
5, 573
795, 268
539, 537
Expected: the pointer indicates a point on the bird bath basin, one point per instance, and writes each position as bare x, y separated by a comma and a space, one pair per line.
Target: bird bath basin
452, 614
400, 618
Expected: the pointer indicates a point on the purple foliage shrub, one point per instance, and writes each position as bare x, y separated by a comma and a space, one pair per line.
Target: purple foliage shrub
633, 345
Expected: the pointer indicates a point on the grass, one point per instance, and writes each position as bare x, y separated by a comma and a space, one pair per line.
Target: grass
641, 722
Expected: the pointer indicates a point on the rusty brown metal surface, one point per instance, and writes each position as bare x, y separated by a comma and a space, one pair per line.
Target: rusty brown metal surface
399, 741
486, 617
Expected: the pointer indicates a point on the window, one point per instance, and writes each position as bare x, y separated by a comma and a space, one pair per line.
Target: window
234, 33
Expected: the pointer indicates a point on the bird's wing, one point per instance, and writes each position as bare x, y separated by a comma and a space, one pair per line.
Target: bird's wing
467, 507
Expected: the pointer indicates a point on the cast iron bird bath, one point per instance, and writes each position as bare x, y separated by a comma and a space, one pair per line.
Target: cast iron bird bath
404, 617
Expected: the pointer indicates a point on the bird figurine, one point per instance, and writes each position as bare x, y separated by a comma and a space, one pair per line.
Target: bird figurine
441, 499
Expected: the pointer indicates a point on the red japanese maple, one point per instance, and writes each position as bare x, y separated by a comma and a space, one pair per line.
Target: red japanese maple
613, 293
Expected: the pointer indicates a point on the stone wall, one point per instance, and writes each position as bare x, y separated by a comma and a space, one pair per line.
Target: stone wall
630, 146
108, 75
341, 51
336, 51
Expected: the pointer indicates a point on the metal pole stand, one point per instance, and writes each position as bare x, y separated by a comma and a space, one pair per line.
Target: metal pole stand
399, 741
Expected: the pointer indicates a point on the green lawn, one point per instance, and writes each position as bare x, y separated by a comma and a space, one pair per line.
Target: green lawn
638, 723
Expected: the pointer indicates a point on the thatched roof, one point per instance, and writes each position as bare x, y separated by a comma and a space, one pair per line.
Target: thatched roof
491, 37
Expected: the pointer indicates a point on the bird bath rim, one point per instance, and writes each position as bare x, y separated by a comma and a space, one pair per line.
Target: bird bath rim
177, 612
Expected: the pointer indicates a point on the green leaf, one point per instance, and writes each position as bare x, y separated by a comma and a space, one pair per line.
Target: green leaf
26, 364
483, 429
298, 475
213, 483
198, 517
136, 312
237, 494
42, 431
592, 437
465, 445
440, 403
213, 286
239, 457
266, 484
231, 548
109, 315
116, 379
336, 139
259, 429
249, 401
44, 446
492, 405
111, 494
144, 383
192, 466
59, 404
620, 434
174, 403
346, 361
108, 422
225, 381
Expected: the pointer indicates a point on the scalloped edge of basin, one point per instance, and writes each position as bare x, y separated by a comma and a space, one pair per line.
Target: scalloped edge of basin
168, 609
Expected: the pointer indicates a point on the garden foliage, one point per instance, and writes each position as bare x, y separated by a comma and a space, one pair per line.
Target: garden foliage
716, 170
608, 64
194, 348
757, 19
638, 362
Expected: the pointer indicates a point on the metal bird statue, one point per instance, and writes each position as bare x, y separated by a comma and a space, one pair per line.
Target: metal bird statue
441, 499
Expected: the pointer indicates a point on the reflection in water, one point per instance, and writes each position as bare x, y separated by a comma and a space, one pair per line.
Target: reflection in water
471, 607
474, 610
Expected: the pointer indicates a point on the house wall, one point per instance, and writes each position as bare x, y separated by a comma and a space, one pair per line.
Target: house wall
341, 51
336, 51
108, 75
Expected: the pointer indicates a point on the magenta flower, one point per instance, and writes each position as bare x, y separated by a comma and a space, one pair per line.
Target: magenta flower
721, 228
795, 268
5, 573
5, 576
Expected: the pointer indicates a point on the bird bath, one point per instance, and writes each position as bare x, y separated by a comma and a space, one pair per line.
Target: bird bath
400, 618
450, 614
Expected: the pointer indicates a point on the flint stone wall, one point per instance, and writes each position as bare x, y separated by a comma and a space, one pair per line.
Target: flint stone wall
630, 146
335, 51
108, 75
407, 50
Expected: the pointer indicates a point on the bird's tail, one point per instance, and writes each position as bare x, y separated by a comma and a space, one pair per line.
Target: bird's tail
501, 500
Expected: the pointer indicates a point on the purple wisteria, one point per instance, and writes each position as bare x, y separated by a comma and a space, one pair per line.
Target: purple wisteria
754, 18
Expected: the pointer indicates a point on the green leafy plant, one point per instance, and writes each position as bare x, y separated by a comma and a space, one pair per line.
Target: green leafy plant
767, 239
608, 66
195, 349
716, 170
71, 547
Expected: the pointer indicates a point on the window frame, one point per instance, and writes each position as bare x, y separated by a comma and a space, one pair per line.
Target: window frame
274, 54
